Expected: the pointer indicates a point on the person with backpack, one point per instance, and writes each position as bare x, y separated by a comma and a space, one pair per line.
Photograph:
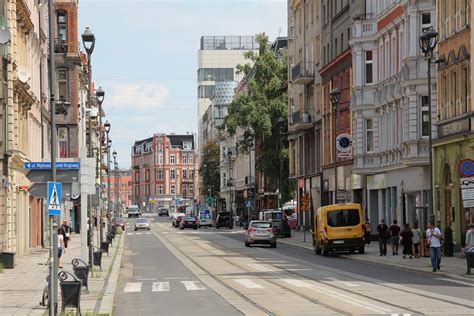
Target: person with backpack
382, 230
407, 241
433, 235
394, 237
416, 239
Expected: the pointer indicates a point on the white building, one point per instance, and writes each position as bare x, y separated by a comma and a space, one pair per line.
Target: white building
390, 108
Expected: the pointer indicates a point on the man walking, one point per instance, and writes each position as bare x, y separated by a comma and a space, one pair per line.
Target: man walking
382, 231
433, 234
395, 237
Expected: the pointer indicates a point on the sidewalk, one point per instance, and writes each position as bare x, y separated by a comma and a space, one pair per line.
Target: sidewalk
21, 288
453, 267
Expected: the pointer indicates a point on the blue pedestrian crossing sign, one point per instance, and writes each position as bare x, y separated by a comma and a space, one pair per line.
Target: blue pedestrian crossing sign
54, 198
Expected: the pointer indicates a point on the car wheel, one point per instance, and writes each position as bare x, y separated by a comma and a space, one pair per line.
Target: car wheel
361, 250
135, 229
181, 228
195, 228
274, 245
247, 244
317, 250
148, 228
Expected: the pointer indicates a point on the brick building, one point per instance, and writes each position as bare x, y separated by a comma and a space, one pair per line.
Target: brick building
121, 186
163, 171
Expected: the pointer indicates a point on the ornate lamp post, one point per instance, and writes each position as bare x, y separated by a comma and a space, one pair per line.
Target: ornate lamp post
428, 41
109, 144
114, 154
335, 98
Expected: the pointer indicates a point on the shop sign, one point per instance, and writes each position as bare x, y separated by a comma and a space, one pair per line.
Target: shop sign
455, 127
356, 182
376, 182
468, 203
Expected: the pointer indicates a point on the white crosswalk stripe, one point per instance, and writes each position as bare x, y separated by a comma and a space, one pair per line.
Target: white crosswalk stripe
248, 283
193, 285
160, 287
133, 287
128, 234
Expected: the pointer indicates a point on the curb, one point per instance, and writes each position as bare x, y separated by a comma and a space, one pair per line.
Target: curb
361, 258
107, 300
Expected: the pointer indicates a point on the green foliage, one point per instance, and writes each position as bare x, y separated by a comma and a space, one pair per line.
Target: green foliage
262, 113
209, 169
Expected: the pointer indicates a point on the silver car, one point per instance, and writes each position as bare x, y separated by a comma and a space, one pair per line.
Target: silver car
142, 223
260, 232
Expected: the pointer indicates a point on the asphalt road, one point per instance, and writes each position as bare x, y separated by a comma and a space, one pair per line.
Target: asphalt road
283, 281
154, 282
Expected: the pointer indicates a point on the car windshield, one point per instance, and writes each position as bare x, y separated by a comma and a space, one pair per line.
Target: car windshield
189, 218
205, 216
142, 220
261, 224
341, 218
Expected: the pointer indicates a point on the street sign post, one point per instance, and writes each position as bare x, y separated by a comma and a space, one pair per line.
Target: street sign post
54, 198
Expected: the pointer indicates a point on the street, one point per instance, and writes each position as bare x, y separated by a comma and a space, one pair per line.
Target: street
168, 271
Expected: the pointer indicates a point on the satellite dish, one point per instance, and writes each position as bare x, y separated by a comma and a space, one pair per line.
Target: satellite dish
23, 74
5, 35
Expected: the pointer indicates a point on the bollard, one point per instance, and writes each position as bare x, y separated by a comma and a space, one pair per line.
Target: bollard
97, 258
70, 291
81, 270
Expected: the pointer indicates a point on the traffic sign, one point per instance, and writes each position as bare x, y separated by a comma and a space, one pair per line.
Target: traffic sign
466, 168
249, 203
47, 165
54, 198
344, 143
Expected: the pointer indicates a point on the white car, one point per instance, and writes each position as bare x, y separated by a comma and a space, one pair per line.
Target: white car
142, 223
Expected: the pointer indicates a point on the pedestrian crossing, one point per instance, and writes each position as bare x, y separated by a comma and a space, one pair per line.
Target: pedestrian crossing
163, 286
139, 233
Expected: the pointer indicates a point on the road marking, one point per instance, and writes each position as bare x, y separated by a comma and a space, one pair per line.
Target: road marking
393, 314
248, 284
160, 287
133, 287
146, 279
343, 282
128, 234
178, 278
193, 285
456, 281
138, 233
148, 233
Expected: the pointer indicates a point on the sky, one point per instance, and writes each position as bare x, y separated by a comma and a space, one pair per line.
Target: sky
145, 57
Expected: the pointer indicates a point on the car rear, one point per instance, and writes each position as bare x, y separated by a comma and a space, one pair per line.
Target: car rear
189, 222
260, 232
344, 228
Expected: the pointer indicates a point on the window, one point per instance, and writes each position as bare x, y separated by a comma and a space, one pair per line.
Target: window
137, 191
63, 87
454, 94
147, 175
206, 91
215, 74
368, 67
137, 176
343, 218
224, 180
159, 189
425, 116
393, 56
317, 49
369, 135
173, 174
147, 189
184, 174
342, 42
191, 159
426, 21
159, 174
464, 89
172, 159
160, 159
191, 189
184, 189
173, 189
63, 142
61, 21
160, 147
335, 47
185, 159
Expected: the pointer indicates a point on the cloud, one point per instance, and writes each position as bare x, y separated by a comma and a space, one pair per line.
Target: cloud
142, 95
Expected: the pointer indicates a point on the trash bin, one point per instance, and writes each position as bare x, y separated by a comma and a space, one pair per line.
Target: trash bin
470, 261
70, 291
97, 260
104, 246
81, 270
8, 259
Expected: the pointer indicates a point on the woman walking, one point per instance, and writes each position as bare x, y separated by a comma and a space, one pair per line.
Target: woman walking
416, 239
407, 241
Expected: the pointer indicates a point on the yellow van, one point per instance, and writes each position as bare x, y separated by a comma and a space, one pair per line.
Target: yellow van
339, 227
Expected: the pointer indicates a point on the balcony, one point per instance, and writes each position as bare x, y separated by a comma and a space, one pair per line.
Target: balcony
60, 46
302, 73
300, 121
364, 25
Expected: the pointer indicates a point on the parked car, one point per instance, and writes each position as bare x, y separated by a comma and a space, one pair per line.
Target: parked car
177, 219
339, 227
164, 212
189, 222
224, 220
260, 232
120, 222
142, 223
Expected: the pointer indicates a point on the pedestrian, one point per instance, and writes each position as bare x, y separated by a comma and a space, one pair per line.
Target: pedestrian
416, 239
368, 231
66, 232
407, 241
469, 239
433, 234
394, 237
60, 246
382, 230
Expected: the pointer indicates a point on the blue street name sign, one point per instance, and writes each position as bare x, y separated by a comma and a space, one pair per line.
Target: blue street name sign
54, 198
47, 165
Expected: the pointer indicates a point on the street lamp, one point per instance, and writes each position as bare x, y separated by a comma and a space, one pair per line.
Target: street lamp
109, 144
88, 40
114, 154
335, 99
428, 41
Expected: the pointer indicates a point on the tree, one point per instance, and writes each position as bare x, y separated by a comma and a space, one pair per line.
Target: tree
262, 113
209, 169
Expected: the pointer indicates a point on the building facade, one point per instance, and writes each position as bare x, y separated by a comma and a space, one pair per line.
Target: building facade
455, 131
390, 109
121, 188
163, 171
305, 100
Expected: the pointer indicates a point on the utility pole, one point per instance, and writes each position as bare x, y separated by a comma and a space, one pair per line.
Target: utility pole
53, 266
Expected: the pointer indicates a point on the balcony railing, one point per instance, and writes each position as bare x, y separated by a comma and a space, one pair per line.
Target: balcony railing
303, 73
300, 120
60, 46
